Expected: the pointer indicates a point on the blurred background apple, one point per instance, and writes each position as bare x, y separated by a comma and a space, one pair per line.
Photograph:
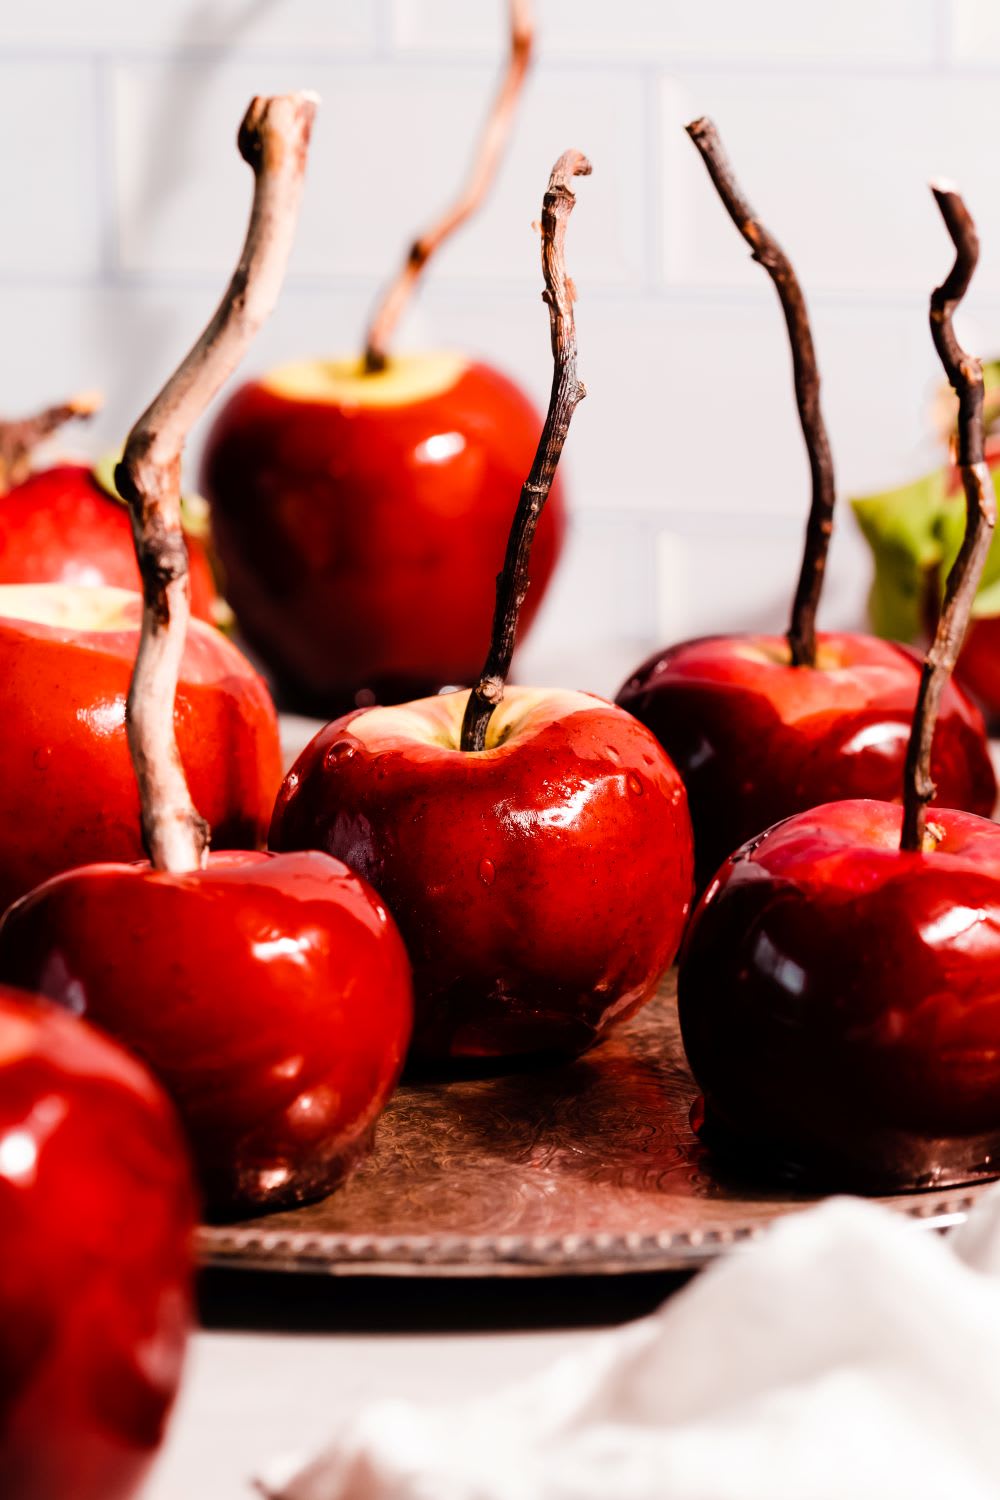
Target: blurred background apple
686, 512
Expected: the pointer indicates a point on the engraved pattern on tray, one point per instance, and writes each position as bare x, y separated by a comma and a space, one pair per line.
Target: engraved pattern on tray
585, 1167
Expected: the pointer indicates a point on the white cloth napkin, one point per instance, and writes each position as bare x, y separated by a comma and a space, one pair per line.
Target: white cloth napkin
846, 1355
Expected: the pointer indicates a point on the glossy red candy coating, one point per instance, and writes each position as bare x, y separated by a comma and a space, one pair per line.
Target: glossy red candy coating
978, 667
756, 739
356, 563
68, 792
61, 526
271, 997
96, 1219
840, 1001
541, 885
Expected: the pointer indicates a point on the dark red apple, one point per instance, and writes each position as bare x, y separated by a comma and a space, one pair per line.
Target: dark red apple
360, 521
61, 525
763, 726
978, 667
541, 884
756, 739
270, 995
96, 1219
67, 789
840, 1001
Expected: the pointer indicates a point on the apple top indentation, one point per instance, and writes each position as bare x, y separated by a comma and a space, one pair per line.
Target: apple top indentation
438, 721
405, 380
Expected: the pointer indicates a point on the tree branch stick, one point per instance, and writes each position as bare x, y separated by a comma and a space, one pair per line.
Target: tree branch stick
19, 438
768, 253
273, 140
966, 376
566, 394
492, 144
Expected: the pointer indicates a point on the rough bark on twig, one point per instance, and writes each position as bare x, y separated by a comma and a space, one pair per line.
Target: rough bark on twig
966, 376
768, 253
274, 140
490, 151
19, 438
566, 394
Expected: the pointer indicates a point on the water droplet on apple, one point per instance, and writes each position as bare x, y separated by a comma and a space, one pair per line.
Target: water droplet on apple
634, 784
364, 697
613, 754
487, 871
342, 750
41, 757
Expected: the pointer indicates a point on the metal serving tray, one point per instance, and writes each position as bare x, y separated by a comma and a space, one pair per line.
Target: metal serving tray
589, 1167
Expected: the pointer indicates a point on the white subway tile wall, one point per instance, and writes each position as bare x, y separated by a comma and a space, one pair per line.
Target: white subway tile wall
125, 206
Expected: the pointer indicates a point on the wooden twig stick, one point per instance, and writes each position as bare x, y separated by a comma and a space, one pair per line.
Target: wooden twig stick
566, 394
768, 253
274, 140
492, 144
966, 376
19, 438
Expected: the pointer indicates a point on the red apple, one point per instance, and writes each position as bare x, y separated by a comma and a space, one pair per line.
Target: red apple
840, 1000
96, 1217
67, 789
978, 667
270, 995
541, 884
62, 526
360, 521
756, 739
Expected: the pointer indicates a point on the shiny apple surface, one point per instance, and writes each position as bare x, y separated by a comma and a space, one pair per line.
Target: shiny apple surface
96, 1221
361, 520
61, 526
757, 739
978, 666
270, 995
541, 885
68, 793
839, 1001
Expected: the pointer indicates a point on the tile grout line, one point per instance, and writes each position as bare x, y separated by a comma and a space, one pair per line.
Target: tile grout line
384, 47
943, 21
655, 178
106, 167
386, 55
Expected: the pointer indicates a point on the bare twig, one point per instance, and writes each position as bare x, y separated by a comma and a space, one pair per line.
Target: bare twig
492, 143
566, 394
768, 253
274, 140
966, 376
19, 438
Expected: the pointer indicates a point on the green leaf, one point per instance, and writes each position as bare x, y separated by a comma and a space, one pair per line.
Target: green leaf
904, 529
915, 533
